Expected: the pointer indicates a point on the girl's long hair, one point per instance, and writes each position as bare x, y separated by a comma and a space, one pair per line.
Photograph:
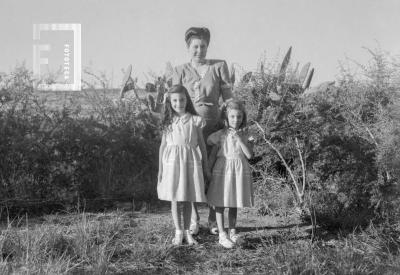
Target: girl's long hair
234, 105
168, 113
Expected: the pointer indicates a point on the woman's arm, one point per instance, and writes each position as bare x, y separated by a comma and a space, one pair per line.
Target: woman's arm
160, 155
203, 151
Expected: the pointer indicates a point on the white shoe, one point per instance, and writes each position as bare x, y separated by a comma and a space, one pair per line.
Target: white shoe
194, 227
213, 228
225, 241
177, 240
233, 236
187, 236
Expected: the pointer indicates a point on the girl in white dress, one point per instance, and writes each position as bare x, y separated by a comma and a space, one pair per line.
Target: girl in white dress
180, 175
231, 185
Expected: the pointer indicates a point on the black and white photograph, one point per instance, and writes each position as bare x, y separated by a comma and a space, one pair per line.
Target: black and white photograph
199, 137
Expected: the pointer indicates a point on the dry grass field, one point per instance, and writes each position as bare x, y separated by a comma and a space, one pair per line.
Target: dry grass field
139, 242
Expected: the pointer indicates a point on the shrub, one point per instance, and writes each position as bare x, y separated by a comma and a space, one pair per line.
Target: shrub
64, 154
335, 146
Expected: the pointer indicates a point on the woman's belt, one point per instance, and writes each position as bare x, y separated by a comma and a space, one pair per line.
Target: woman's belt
200, 104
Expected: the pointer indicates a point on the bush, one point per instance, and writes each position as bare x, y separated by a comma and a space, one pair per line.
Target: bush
336, 147
352, 163
62, 154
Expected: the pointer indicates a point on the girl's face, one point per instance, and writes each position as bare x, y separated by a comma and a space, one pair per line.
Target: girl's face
178, 103
235, 118
198, 49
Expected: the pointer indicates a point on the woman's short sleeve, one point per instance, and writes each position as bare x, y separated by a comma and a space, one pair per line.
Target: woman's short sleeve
214, 138
225, 82
199, 121
176, 76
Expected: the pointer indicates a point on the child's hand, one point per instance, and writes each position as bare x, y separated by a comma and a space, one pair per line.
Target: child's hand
159, 177
241, 139
237, 136
243, 131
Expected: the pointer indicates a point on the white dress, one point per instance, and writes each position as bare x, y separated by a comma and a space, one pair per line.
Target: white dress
182, 174
231, 184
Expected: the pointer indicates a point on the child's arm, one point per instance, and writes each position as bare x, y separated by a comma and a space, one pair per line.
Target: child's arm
160, 155
203, 150
245, 146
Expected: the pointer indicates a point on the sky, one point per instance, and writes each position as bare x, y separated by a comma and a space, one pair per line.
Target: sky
147, 34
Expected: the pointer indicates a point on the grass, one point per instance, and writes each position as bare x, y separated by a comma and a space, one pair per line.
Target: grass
125, 242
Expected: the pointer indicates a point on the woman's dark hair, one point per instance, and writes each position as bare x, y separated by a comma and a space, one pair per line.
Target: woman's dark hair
168, 112
194, 32
234, 105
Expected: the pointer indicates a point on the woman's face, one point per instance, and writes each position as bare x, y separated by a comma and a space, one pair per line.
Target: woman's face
198, 49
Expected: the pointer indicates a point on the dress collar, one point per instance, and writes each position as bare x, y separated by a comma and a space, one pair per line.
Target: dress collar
192, 68
231, 131
185, 118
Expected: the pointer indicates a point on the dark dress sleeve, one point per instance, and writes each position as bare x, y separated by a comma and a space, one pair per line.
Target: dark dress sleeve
214, 138
177, 76
225, 82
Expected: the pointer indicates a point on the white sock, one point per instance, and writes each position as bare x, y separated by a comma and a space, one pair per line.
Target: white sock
178, 232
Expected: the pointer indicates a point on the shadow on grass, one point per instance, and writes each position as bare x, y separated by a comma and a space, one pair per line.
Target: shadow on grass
271, 240
258, 228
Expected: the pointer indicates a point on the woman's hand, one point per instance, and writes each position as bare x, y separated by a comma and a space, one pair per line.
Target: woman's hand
207, 173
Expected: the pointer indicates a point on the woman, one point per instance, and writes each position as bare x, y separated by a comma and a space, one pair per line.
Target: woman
207, 80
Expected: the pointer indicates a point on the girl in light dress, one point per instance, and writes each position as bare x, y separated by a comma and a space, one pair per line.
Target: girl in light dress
231, 185
181, 166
